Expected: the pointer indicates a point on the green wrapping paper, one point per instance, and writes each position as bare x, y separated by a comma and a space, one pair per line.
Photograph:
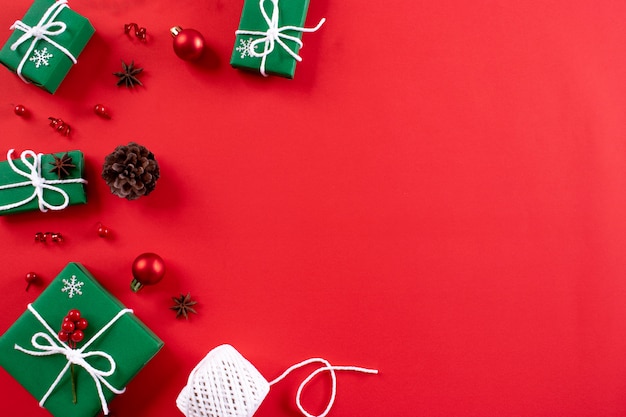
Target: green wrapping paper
269, 36
18, 192
45, 62
127, 340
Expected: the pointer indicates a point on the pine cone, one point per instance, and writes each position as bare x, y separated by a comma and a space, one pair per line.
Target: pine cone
130, 171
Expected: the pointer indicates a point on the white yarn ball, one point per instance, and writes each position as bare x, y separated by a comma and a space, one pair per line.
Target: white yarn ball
223, 384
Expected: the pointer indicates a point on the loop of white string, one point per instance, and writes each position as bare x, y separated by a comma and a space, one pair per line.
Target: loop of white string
35, 179
47, 27
326, 368
274, 34
54, 346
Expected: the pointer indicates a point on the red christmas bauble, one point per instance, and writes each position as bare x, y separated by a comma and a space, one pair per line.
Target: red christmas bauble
148, 269
188, 43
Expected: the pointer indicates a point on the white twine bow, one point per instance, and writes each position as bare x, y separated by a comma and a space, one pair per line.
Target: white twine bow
34, 179
54, 346
273, 35
327, 367
46, 27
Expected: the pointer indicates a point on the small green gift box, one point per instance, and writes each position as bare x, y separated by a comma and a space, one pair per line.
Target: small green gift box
45, 43
44, 182
269, 36
116, 346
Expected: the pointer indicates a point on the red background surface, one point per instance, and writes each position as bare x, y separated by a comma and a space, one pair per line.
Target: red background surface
439, 193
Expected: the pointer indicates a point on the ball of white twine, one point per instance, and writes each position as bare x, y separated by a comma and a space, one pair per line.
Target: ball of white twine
225, 384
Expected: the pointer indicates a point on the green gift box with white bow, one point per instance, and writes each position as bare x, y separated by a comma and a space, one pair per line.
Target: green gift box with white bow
32, 181
115, 347
270, 36
45, 43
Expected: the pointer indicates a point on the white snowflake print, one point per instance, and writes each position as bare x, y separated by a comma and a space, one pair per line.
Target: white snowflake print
40, 57
245, 47
72, 287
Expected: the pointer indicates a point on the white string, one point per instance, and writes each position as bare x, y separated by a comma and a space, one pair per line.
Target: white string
35, 179
55, 346
46, 27
274, 34
328, 367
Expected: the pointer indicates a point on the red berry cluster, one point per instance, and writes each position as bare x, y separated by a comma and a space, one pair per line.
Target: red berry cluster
72, 328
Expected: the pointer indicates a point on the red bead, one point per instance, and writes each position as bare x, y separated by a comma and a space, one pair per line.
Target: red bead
77, 336
20, 110
68, 326
73, 315
81, 324
40, 237
101, 111
103, 231
63, 336
188, 43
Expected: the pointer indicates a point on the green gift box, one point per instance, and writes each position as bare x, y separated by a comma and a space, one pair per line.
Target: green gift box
116, 346
32, 182
269, 36
46, 59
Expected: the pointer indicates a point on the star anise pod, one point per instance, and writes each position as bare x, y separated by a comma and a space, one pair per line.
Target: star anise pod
128, 75
183, 305
62, 165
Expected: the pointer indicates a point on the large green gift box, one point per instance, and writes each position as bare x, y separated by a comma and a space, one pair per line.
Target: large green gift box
31, 182
269, 36
112, 331
46, 60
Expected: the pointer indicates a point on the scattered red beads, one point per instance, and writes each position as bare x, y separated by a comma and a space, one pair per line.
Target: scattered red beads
60, 126
43, 237
101, 111
30, 278
72, 328
20, 110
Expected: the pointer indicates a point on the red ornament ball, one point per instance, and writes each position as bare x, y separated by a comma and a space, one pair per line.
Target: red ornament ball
188, 43
148, 269
63, 336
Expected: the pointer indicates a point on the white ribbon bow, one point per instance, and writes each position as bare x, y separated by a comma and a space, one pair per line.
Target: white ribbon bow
74, 356
274, 34
34, 179
46, 27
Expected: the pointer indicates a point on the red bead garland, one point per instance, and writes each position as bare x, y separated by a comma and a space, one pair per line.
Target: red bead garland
140, 32
60, 126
